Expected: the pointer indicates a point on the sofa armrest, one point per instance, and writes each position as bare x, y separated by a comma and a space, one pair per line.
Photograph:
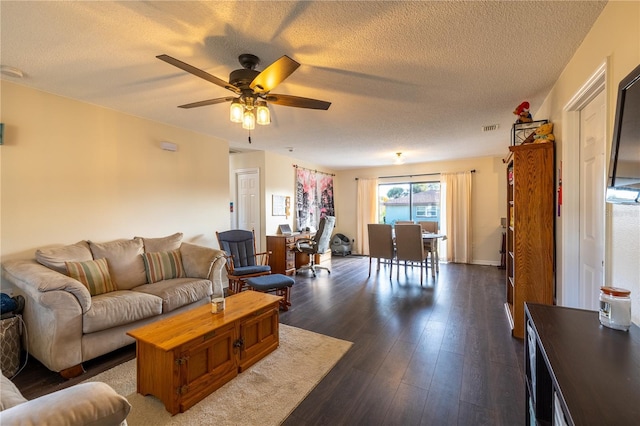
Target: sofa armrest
53, 312
32, 278
204, 262
93, 403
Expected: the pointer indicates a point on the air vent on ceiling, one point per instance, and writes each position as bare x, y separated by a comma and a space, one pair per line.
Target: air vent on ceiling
490, 128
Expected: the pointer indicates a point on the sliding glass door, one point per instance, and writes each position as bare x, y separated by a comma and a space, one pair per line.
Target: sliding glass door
409, 201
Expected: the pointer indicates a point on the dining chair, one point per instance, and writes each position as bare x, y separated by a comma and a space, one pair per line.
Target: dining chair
243, 262
429, 226
405, 222
430, 244
410, 247
381, 244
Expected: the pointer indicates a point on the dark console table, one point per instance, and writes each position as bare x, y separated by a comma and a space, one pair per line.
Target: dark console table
579, 372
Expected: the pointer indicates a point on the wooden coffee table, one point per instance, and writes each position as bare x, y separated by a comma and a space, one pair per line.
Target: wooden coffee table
182, 359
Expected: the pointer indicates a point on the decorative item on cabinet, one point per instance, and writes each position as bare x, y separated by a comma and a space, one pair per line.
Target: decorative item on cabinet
522, 133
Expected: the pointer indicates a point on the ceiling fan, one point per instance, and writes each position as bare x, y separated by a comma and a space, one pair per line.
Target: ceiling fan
252, 89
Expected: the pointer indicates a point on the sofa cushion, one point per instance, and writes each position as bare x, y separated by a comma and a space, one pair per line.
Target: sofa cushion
10, 396
178, 292
56, 257
119, 307
94, 274
163, 265
92, 403
125, 261
168, 243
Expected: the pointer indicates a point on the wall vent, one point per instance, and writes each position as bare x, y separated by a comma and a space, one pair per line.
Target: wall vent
490, 127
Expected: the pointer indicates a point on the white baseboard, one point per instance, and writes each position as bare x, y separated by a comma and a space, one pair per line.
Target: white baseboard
486, 262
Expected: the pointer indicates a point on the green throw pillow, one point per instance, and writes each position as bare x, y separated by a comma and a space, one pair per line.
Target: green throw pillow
163, 265
94, 274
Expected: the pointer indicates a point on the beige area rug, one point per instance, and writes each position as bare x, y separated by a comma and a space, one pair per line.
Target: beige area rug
265, 394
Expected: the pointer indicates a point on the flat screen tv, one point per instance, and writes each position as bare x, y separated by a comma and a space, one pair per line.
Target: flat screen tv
624, 168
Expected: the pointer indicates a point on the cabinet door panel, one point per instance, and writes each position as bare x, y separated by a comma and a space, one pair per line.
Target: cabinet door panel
207, 366
259, 335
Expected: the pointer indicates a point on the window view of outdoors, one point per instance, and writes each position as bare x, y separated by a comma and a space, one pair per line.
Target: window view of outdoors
416, 202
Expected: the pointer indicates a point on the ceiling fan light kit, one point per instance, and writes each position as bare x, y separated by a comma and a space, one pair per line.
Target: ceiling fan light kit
252, 89
263, 114
236, 111
248, 120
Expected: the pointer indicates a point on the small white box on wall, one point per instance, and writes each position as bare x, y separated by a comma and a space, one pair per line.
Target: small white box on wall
169, 146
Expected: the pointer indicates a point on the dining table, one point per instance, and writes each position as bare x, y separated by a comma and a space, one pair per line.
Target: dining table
435, 256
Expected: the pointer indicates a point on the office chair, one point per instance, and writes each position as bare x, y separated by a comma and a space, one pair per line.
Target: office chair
318, 245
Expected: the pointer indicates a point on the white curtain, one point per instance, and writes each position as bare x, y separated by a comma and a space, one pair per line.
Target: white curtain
456, 189
366, 212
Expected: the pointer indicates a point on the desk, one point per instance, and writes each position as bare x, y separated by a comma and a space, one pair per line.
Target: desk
283, 252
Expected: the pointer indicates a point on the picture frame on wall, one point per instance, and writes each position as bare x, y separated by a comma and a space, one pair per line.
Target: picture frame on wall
280, 205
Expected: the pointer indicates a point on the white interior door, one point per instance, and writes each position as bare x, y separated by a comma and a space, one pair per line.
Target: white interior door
248, 200
592, 206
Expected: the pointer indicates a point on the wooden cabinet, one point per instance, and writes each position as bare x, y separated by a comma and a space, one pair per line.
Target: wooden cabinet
283, 257
530, 232
578, 372
184, 358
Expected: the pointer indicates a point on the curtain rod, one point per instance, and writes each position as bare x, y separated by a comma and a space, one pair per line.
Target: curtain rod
410, 176
311, 170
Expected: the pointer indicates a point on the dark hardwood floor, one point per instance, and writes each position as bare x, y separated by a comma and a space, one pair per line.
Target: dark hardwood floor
432, 355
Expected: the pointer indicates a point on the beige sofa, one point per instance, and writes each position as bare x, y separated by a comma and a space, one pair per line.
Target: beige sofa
92, 403
127, 283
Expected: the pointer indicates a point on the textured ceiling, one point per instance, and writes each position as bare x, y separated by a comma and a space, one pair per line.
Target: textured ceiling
422, 78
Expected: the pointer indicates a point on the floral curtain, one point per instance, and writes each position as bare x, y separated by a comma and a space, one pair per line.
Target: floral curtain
314, 197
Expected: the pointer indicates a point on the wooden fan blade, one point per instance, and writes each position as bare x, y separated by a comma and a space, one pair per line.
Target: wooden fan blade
198, 72
274, 74
207, 102
297, 101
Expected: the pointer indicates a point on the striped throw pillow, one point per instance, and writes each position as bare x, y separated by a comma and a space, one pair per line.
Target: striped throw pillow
163, 265
94, 274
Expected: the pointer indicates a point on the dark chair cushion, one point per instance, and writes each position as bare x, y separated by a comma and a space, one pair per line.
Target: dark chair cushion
248, 270
268, 282
238, 243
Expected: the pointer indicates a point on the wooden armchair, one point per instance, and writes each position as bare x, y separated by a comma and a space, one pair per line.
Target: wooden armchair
242, 260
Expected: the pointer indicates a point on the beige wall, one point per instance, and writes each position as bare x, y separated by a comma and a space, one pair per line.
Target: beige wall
277, 177
614, 39
488, 199
73, 171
